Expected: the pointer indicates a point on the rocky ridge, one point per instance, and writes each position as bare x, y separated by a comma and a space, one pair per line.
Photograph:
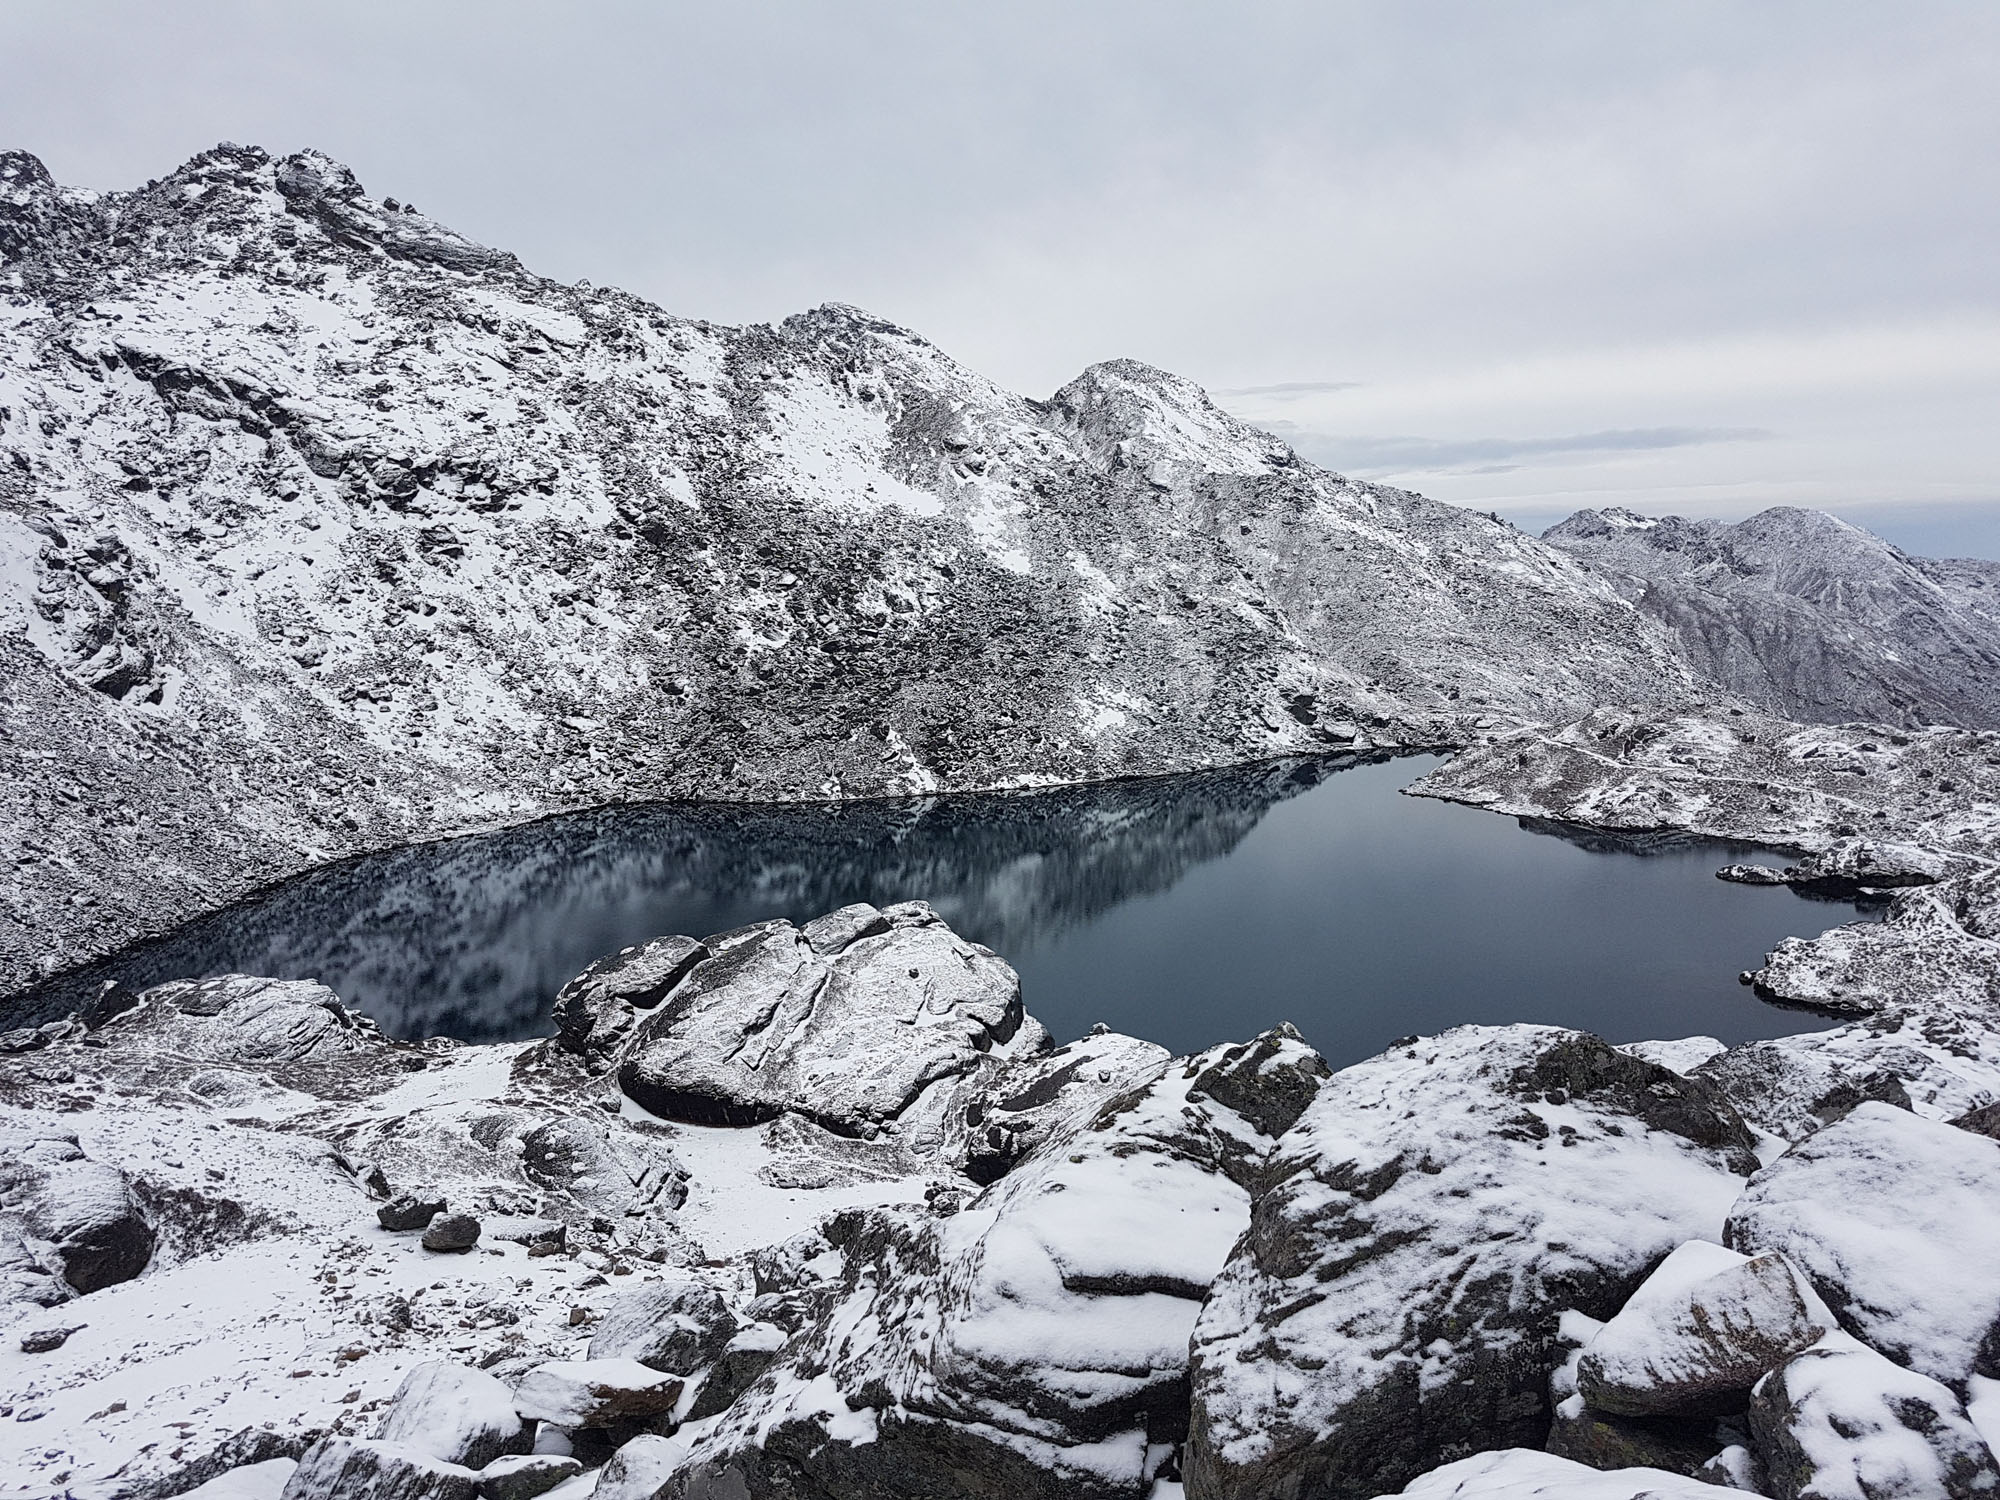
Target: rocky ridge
292, 476
1498, 1260
1806, 616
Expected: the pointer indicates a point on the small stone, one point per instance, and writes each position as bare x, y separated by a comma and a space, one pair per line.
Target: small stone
45, 1340
452, 1234
408, 1211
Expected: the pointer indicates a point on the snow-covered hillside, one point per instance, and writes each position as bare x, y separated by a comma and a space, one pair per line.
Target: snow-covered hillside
323, 528
1807, 616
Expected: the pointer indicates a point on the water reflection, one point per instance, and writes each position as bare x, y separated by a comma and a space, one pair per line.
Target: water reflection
1187, 909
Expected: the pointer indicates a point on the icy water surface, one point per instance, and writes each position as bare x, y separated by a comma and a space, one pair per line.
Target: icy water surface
1189, 910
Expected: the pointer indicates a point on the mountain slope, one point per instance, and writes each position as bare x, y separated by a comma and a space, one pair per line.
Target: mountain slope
1807, 616
324, 529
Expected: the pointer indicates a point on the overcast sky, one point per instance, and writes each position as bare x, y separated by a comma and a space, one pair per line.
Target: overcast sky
1680, 256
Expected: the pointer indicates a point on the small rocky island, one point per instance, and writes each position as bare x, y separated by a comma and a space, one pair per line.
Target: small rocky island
325, 530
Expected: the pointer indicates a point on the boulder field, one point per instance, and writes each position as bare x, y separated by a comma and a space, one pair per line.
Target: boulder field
822, 1212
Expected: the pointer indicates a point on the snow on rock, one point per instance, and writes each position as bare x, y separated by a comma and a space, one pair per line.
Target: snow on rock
526, 1477
1033, 1098
1933, 1061
455, 1414
1525, 1474
356, 1469
677, 1327
594, 1392
67, 1224
1699, 1332
1840, 1422
770, 1023
1899, 639
1032, 1343
1896, 1221
258, 1481
1424, 1227
594, 1011
294, 479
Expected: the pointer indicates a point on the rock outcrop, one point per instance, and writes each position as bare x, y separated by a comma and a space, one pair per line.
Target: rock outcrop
1422, 1230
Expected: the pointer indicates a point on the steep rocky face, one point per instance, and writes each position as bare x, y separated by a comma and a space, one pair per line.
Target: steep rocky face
326, 529
1807, 616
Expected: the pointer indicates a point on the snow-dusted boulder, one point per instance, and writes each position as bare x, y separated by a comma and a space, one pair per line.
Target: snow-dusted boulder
67, 1223
1840, 1422
1933, 1061
1896, 1220
243, 1019
258, 1481
455, 1414
1032, 1098
1428, 1220
1033, 1344
769, 1023
595, 1011
337, 1468
677, 1327
594, 1393
1699, 1333
1525, 1474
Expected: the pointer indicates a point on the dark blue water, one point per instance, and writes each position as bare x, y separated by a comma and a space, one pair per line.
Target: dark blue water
1188, 909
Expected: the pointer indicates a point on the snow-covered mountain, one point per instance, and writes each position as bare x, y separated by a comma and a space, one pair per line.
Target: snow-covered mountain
323, 528
1807, 616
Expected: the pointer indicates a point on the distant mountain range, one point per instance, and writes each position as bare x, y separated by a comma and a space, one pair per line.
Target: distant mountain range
324, 529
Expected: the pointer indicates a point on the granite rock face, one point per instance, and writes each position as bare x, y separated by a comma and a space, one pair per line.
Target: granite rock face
1809, 617
770, 1022
1421, 1232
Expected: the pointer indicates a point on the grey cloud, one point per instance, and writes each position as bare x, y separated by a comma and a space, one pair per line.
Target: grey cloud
1493, 455
1291, 388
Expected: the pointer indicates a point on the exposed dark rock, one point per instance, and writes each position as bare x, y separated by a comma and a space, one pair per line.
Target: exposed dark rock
337, 1468
82, 1210
452, 1233
409, 1211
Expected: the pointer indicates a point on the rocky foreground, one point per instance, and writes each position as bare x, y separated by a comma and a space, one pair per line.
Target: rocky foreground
820, 1211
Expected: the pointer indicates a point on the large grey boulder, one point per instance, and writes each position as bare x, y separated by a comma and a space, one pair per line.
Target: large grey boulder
1701, 1330
1031, 1345
337, 1468
1896, 1220
596, 1010
1425, 1225
677, 1327
1840, 1422
455, 1414
769, 1023
594, 1393
67, 1224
